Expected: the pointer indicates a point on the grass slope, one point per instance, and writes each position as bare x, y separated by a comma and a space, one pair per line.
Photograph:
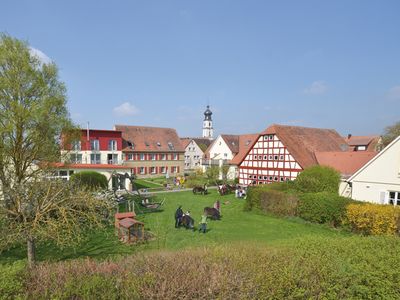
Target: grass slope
236, 226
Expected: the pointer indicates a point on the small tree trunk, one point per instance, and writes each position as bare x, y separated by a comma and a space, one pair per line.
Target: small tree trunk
31, 251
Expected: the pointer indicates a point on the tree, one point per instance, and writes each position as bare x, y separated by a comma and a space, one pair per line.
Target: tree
33, 117
212, 174
391, 132
317, 179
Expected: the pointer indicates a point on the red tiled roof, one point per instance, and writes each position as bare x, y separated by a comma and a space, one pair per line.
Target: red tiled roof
185, 142
128, 222
303, 142
370, 141
89, 166
246, 141
150, 139
124, 215
232, 140
347, 163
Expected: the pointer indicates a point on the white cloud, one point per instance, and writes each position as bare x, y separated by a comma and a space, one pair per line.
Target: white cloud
394, 93
44, 59
126, 109
318, 87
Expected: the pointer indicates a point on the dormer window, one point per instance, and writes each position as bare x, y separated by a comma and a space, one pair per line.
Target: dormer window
147, 144
158, 144
171, 146
130, 145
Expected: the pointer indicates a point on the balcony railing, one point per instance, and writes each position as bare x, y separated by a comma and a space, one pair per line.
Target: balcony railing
214, 162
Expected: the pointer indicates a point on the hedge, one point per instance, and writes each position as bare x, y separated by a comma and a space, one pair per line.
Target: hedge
90, 179
274, 198
318, 179
373, 219
323, 208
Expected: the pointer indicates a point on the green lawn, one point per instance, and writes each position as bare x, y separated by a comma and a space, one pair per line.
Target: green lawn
146, 184
236, 226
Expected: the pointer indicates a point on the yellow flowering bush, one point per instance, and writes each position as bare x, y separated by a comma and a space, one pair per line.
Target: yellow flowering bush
373, 219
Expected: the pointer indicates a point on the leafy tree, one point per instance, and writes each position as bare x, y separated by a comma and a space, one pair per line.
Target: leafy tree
318, 179
391, 132
33, 117
212, 174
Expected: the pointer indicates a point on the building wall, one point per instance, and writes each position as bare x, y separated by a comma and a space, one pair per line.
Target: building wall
379, 177
220, 150
193, 156
171, 166
268, 161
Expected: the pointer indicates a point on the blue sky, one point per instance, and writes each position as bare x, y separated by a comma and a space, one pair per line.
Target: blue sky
330, 64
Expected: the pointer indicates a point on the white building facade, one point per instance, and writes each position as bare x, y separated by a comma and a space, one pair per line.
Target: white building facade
378, 181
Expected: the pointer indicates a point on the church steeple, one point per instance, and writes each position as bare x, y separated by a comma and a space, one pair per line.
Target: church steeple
207, 124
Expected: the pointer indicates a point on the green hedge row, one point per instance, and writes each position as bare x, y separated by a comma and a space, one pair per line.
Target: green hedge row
90, 180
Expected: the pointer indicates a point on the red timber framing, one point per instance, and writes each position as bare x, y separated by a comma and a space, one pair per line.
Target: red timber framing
267, 161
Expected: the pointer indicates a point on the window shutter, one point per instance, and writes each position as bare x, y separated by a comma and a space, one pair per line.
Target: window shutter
383, 199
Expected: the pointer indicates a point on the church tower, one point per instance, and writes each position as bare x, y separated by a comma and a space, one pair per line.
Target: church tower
207, 124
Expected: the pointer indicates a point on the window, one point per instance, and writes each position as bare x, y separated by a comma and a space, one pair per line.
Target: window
265, 157
270, 178
361, 148
141, 156
76, 158
270, 157
394, 198
112, 145
129, 156
276, 157
260, 177
225, 155
173, 169
95, 145
112, 159
130, 145
265, 137
153, 170
95, 159
163, 170
152, 156
265, 177
255, 157
271, 137
260, 157
171, 146
163, 157
275, 178
282, 179
175, 156
141, 170
281, 157
76, 145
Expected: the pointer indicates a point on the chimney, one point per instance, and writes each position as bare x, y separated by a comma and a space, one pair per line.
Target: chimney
349, 136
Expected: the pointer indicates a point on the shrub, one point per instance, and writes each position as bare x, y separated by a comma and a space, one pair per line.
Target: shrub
274, 198
279, 203
12, 280
318, 179
317, 268
373, 219
90, 179
323, 208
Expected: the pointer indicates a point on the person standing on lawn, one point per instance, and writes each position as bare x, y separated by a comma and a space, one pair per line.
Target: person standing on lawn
203, 224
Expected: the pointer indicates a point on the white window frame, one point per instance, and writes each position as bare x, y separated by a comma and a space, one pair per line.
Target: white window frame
141, 156
76, 146
112, 145
395, 200
95, 145
175, 156
141, 170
